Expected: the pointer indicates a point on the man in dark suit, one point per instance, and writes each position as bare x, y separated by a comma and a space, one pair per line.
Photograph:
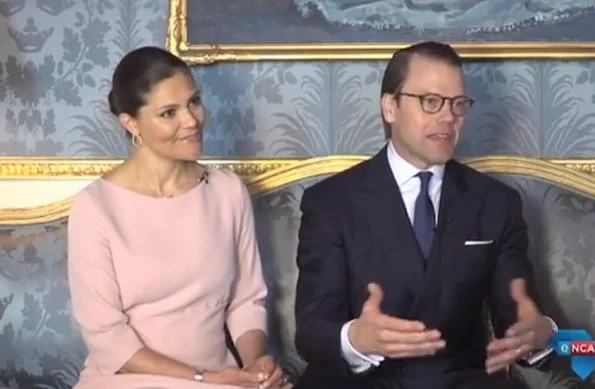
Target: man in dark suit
398, 255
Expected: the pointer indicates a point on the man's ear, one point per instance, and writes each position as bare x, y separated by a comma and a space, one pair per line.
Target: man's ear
389, 108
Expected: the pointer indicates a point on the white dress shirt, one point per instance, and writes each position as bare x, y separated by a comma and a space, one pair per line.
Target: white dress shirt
409, 185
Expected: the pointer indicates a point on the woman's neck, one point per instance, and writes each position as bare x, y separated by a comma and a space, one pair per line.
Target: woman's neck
161, 177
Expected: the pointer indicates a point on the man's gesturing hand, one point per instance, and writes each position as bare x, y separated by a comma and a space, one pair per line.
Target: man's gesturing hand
375, 332
532, 331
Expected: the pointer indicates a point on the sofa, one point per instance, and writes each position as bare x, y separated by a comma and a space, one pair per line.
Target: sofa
40, 346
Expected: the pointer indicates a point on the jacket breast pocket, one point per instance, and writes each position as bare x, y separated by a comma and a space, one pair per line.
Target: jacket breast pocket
475, 263
479, 252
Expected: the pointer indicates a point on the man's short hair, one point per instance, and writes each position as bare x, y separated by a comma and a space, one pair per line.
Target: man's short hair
397, 69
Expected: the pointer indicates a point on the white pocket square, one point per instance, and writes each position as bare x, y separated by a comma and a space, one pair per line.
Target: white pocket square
478, 242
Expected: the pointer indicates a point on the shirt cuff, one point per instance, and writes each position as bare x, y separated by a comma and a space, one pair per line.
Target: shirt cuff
538, 356
356, 360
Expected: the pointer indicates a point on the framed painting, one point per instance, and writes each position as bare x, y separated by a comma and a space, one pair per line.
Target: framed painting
209, 31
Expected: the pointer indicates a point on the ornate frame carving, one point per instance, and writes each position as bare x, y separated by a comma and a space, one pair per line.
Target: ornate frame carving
195, 54
264, 174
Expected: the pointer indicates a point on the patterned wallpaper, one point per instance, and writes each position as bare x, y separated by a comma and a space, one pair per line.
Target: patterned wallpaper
56, 60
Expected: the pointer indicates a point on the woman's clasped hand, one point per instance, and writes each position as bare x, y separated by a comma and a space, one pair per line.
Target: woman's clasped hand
264, 373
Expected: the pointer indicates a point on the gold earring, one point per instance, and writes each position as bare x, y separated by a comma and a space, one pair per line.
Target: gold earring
137, 141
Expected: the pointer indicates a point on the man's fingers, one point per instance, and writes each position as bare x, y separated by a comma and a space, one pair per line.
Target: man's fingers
503, 352
502, 359
518, 290
495, 368
372, 304
411, 351
387, 336
385, 322
519, 328
394, 348
392, 335
412, 354
526, 308
499, 345
408, 344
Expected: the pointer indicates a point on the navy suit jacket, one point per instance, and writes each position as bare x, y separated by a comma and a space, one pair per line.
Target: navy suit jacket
355, 230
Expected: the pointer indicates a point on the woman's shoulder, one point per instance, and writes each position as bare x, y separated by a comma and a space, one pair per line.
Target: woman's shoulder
229, 185
86, 203
89, 194
101, 194
224, 178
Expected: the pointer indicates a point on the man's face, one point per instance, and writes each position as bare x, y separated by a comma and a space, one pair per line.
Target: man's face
424, 127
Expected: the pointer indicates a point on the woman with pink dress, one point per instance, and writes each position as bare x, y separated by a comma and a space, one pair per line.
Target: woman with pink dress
162, 252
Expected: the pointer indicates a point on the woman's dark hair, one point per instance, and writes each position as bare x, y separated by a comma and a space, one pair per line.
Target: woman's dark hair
137, 73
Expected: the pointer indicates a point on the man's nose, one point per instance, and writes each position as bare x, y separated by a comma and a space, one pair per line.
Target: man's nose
446, 112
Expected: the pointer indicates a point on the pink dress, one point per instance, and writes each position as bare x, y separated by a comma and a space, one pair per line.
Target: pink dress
165, 274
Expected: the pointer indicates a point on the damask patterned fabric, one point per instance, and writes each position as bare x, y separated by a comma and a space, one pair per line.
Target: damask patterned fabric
41, 347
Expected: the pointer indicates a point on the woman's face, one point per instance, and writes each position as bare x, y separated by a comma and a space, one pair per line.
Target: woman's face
171, 122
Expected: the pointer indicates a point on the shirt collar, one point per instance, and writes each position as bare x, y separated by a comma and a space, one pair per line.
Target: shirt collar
403, 171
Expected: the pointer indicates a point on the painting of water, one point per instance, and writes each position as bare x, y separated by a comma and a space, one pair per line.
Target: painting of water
385, 21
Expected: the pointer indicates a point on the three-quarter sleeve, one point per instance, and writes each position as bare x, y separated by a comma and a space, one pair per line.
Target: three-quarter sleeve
247, 307
94, 290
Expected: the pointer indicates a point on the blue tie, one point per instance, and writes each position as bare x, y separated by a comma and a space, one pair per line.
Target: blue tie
424, 218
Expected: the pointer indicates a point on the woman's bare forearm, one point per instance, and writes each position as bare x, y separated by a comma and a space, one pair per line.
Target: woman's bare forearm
147, 361
251, 345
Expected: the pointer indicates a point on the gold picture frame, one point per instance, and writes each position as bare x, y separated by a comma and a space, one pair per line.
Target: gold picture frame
199, 54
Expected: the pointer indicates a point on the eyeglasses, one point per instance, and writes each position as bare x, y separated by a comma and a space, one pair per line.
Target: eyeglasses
433, 103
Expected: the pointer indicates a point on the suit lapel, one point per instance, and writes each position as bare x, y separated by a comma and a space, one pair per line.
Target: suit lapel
381, 204
461, 205
459, 208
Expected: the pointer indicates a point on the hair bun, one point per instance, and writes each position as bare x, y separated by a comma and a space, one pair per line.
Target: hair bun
113, 106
